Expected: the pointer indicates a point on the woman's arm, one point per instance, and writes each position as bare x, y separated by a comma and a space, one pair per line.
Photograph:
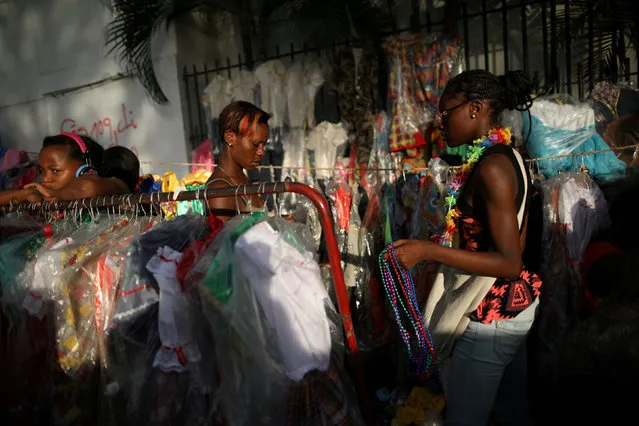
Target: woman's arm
83, 187
19, 196
497, 186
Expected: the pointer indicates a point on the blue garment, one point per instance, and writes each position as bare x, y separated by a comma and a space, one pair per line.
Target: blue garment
546, 141
150, 185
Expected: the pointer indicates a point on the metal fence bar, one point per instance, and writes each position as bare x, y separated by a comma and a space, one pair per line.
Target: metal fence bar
524, 34
568, 49
504, 24
554, 77
484, 22
466, 34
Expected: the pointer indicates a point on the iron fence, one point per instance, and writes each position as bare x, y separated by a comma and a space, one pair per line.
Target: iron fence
499, 35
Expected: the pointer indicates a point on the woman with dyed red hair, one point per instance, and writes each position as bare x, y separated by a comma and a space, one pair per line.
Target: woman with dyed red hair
244, 132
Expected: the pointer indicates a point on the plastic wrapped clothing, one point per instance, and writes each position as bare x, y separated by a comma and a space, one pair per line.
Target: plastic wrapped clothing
561, 129
324, 139
254, 372
139, 289
288, 287
574, 209
420, 69
368, 308
153, 372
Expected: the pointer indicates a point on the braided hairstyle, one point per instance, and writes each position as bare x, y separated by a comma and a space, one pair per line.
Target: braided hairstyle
512, 91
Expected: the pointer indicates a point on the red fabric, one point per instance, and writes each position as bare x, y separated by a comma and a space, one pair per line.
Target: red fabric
343, 200
596, 250
593, 252
191, 253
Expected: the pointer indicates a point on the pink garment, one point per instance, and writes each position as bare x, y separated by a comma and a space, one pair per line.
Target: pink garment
203, 154
12, 158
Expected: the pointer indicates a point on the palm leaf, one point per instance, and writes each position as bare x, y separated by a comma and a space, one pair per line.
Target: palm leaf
599, 24
134, 25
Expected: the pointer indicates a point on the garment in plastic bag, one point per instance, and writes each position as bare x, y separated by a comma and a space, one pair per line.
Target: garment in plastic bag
174, 320
562, 129
428, 218
288, 286
139, 290
574, 210
148, 378
340, 196
252, 370
368, 313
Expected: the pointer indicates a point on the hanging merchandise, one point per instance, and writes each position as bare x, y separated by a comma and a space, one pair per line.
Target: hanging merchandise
120, 319
340, 195
419, 72
303, 80
243, 86
400, 291
381, 166
170, 183
271, 78
202, 157
193, 182
355, 82
264, 363
215, 97
574, 211
324, 140
611, 102
368, 294
568, 128
428, 218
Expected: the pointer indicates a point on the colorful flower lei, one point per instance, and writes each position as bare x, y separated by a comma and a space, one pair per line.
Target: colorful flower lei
496, 136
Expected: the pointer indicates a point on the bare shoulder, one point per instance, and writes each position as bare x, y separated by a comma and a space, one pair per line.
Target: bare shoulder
497, 175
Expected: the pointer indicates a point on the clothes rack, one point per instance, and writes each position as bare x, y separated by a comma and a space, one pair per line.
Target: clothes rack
320, 203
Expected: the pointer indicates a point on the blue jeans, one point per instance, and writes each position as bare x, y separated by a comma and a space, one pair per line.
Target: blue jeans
486, 373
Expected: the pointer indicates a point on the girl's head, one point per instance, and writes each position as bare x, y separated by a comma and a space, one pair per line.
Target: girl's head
62, 159
244, 130
473, 101
121, 163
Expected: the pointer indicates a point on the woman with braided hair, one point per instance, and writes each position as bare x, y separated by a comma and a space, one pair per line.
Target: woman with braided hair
483, 301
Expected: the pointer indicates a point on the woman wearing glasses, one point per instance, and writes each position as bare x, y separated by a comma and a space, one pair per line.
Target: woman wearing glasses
483, 302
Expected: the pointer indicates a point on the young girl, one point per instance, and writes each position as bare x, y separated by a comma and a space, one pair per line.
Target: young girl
75, 167
483, 303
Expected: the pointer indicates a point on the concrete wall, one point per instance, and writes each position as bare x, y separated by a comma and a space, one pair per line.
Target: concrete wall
48, 46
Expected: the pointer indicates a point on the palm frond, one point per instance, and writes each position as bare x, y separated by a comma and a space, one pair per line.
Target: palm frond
594, 29
133, 27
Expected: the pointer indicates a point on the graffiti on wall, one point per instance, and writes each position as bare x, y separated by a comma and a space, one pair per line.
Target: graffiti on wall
106, 130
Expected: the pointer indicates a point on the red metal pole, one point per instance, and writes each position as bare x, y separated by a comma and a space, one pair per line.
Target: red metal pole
340, 286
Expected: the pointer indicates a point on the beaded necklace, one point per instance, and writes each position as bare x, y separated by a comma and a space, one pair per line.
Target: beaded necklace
496, 136
401, 293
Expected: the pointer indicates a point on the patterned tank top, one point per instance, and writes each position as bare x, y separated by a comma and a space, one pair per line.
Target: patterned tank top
506, 298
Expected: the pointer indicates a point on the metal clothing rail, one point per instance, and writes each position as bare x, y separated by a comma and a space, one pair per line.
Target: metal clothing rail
320, 203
